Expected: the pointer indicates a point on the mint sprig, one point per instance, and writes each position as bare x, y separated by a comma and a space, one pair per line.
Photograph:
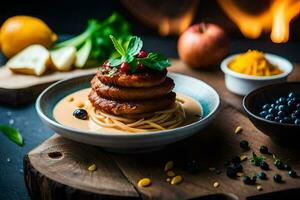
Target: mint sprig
12, 134
154, 61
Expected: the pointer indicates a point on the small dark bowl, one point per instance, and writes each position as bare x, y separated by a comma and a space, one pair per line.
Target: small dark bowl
253, 102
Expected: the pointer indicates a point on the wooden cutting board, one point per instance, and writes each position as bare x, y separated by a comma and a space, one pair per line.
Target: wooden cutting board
18, 89
57, 169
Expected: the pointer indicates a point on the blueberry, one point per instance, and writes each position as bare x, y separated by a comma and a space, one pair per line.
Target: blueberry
287, 166
238, 167
292, 95
277, 178
231, 172
264, 150
297, 121
298, 106
279, 164
282, 108
293, 116
292, 173
226, 163
262, 175
292, 103
249, 181
281, 100
263, 113
276, 107
264, 165
244, 144
287, 119
277, 119
266, 107
80, 114
270, 117
281, 113
272, 111
272, 105
297, 112
282, 121
192, 166
236, 159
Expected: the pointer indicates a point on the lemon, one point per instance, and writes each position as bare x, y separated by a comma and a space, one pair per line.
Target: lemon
19, 32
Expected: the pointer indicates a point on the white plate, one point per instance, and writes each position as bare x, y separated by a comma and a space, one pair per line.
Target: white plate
122, 142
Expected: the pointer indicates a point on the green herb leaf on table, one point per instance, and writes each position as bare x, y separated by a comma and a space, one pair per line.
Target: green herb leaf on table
256, 160
12, 133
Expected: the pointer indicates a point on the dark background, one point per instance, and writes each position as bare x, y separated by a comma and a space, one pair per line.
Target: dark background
70, 17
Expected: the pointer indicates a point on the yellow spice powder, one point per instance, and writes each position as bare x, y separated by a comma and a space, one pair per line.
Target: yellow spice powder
253, 63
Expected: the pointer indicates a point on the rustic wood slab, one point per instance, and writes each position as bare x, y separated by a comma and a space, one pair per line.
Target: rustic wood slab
117, 175
57, 169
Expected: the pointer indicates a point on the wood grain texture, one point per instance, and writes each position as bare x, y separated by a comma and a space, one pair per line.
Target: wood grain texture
65, 175
117, 175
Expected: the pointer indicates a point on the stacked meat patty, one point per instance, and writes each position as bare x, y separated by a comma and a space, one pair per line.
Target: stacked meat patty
132, 95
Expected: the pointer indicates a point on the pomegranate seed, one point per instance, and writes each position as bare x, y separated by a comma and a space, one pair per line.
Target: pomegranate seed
142, 54
124, 67
140, 66
106, 65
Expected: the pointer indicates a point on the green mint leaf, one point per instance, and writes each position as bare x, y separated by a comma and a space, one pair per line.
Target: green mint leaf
12, 133
128, 58
115, 62
117, 45
133, 65
155, 61
134, 46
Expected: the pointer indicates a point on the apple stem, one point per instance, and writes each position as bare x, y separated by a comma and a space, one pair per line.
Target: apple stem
202, 27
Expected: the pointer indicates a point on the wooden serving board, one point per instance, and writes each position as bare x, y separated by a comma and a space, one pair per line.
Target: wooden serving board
18, 89
57, 169
49, 175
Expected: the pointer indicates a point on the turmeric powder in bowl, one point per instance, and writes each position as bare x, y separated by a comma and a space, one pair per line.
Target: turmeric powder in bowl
253, 63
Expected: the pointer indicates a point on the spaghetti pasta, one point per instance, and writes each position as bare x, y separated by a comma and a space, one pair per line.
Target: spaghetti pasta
157, 121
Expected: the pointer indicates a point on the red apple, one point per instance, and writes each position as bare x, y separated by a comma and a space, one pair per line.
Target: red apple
203, 45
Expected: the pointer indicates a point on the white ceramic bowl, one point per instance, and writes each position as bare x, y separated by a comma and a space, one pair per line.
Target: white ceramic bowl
122, 142
242, 84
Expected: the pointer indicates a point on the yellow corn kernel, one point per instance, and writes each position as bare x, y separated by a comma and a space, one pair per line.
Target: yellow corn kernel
176, 180
169, 165
144, 182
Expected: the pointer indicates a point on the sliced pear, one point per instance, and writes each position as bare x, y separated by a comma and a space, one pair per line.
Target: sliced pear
32, 60
63, 58
83, 53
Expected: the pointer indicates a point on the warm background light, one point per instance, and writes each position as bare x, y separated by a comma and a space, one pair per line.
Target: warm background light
275, 19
